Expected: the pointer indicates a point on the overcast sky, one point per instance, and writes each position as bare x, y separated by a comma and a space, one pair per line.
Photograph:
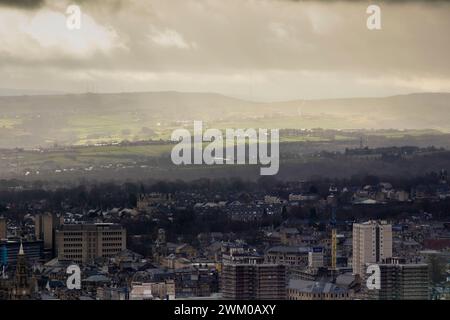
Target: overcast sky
255, 49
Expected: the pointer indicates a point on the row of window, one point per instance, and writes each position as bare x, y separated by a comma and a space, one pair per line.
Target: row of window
112, 245
73, 256
69, 233
119, 233
114, 250
293, 294
73, 239
71, 245
72, 251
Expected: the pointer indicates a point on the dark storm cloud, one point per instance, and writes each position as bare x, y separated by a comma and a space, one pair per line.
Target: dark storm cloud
34, 4
23, 4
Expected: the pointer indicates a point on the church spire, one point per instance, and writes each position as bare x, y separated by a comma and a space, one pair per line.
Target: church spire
21, 252
22, 288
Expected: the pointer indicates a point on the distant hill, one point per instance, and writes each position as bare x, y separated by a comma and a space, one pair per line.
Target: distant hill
413, 111
22, 92
41, 120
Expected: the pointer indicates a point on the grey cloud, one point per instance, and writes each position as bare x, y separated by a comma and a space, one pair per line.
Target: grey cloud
371, 1
23, 4
260, 37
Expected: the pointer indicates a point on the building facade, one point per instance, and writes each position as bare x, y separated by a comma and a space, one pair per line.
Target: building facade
312, 290
82, 243
402, 282
372, 243
44, 228
315, 258
254, 281
291, 256
3, 229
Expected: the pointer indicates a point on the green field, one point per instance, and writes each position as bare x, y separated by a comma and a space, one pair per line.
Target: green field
96, 155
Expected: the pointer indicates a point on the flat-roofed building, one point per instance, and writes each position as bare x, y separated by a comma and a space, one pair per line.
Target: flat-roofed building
402, 282
44, 229
372, 243
240, 255
82, 243
254, 281
292, 256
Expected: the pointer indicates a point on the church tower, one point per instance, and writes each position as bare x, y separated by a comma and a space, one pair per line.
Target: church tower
22, 283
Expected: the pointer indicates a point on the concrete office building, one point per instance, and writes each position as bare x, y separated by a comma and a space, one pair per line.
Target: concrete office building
372, 243
402, 282
44, 229
82, 243
254, 281
291, 256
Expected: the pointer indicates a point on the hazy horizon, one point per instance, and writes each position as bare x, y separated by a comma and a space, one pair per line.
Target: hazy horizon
28, 92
